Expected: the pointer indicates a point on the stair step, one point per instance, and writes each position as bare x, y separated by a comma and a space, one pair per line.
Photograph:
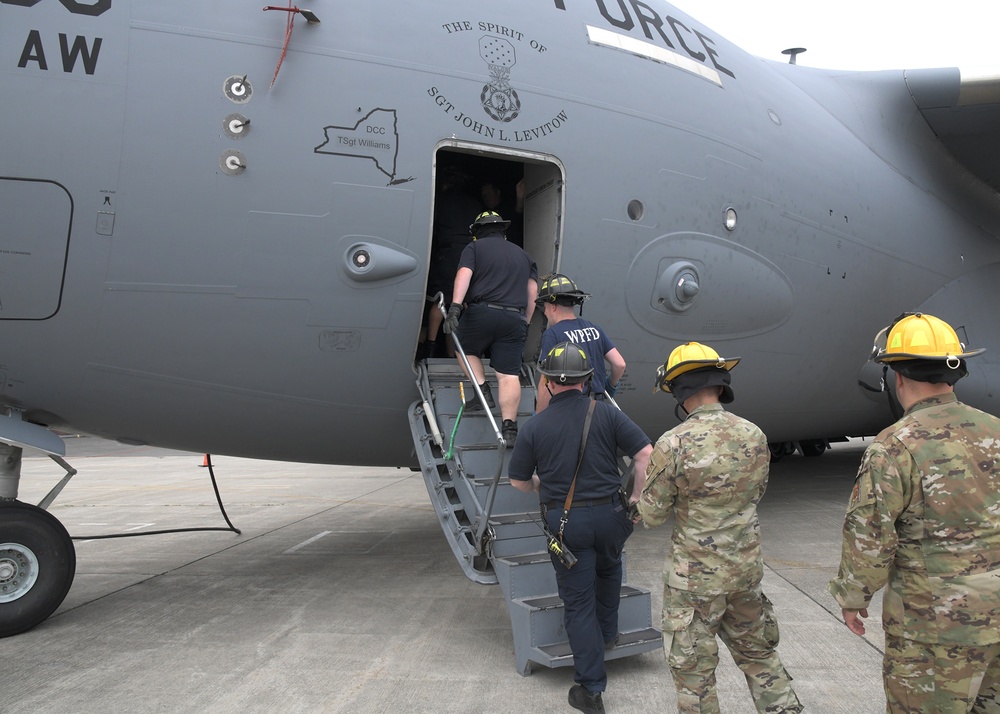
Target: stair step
516, 525
629, 643
525, 576
527, 558
550, 601
510, 547
635, 642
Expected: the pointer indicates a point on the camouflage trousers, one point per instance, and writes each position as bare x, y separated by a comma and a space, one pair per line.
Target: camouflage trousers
746, 624
945, 679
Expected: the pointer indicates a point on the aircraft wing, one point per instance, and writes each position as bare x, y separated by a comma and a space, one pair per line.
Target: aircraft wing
963, 110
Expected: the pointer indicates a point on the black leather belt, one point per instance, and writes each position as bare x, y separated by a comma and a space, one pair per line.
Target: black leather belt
582, 502
508, 308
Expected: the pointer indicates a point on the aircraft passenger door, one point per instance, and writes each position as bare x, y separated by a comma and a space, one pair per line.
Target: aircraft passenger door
542, 211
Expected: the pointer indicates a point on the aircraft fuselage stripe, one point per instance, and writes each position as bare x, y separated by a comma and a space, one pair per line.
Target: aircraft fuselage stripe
651, 51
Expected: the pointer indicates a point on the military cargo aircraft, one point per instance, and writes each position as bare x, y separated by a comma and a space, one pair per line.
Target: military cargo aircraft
217, 220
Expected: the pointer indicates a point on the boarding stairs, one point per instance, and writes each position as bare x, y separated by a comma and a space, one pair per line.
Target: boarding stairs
493, 529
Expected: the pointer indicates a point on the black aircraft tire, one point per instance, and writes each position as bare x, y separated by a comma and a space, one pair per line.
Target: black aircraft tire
37, 566
778, 450
813, 447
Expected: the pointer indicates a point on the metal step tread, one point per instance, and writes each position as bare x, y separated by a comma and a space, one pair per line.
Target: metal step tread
506, 519
504, 548
525, 558
488, 480
449, 366
629, 643
546, 602
477, 447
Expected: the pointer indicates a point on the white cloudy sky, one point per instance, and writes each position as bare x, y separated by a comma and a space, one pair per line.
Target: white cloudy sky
859, 34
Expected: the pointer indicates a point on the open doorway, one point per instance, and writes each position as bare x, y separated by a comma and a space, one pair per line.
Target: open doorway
524, 188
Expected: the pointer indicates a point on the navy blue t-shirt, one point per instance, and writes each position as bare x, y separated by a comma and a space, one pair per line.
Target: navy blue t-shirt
586, 335
500, 272
549, 443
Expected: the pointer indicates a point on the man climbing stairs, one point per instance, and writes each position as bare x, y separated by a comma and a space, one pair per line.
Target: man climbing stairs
494, 530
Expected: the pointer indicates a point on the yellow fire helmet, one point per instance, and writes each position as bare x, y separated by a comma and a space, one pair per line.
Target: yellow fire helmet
919, 336
688, 357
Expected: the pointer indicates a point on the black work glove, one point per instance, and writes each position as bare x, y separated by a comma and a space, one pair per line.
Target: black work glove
451, 322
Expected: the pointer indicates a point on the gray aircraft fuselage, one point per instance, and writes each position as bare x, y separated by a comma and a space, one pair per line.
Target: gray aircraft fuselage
195, 258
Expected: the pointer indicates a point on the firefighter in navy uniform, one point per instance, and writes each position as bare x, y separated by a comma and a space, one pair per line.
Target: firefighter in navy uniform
557, 299
595, 524
498, 282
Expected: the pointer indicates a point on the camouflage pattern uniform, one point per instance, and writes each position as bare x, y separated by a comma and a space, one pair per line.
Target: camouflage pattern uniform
711, 472
924, 518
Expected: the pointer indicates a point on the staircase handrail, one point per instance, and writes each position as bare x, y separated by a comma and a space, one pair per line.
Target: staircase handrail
480, 525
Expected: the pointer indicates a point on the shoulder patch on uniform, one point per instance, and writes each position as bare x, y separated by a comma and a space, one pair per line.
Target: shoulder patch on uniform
863, 493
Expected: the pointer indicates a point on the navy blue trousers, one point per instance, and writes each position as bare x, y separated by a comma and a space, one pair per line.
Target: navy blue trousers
591, 589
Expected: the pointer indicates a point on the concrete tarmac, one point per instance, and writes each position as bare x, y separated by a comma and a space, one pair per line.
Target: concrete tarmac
341, 595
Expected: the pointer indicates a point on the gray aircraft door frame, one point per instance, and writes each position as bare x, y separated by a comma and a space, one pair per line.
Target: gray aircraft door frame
544, 194
544, 202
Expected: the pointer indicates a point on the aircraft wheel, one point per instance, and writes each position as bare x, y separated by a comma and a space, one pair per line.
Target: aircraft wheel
779, 450
813, 447
37, 565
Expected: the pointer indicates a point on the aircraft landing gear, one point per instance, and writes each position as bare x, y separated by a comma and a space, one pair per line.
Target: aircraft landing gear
812, 448
37, 566
37, 557
781, 449
809, 447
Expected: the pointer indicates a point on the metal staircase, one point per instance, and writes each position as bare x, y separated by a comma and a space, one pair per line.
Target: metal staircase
495, 530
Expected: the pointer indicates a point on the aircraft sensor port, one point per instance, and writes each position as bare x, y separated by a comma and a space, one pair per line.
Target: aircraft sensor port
235, 126
238, 89
233, 162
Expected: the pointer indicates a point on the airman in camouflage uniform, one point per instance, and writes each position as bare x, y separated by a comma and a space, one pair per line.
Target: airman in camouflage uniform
711, 472
924, 519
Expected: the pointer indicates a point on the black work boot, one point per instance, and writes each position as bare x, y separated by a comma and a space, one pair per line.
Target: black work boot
474, 405
509, 430
584, 700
